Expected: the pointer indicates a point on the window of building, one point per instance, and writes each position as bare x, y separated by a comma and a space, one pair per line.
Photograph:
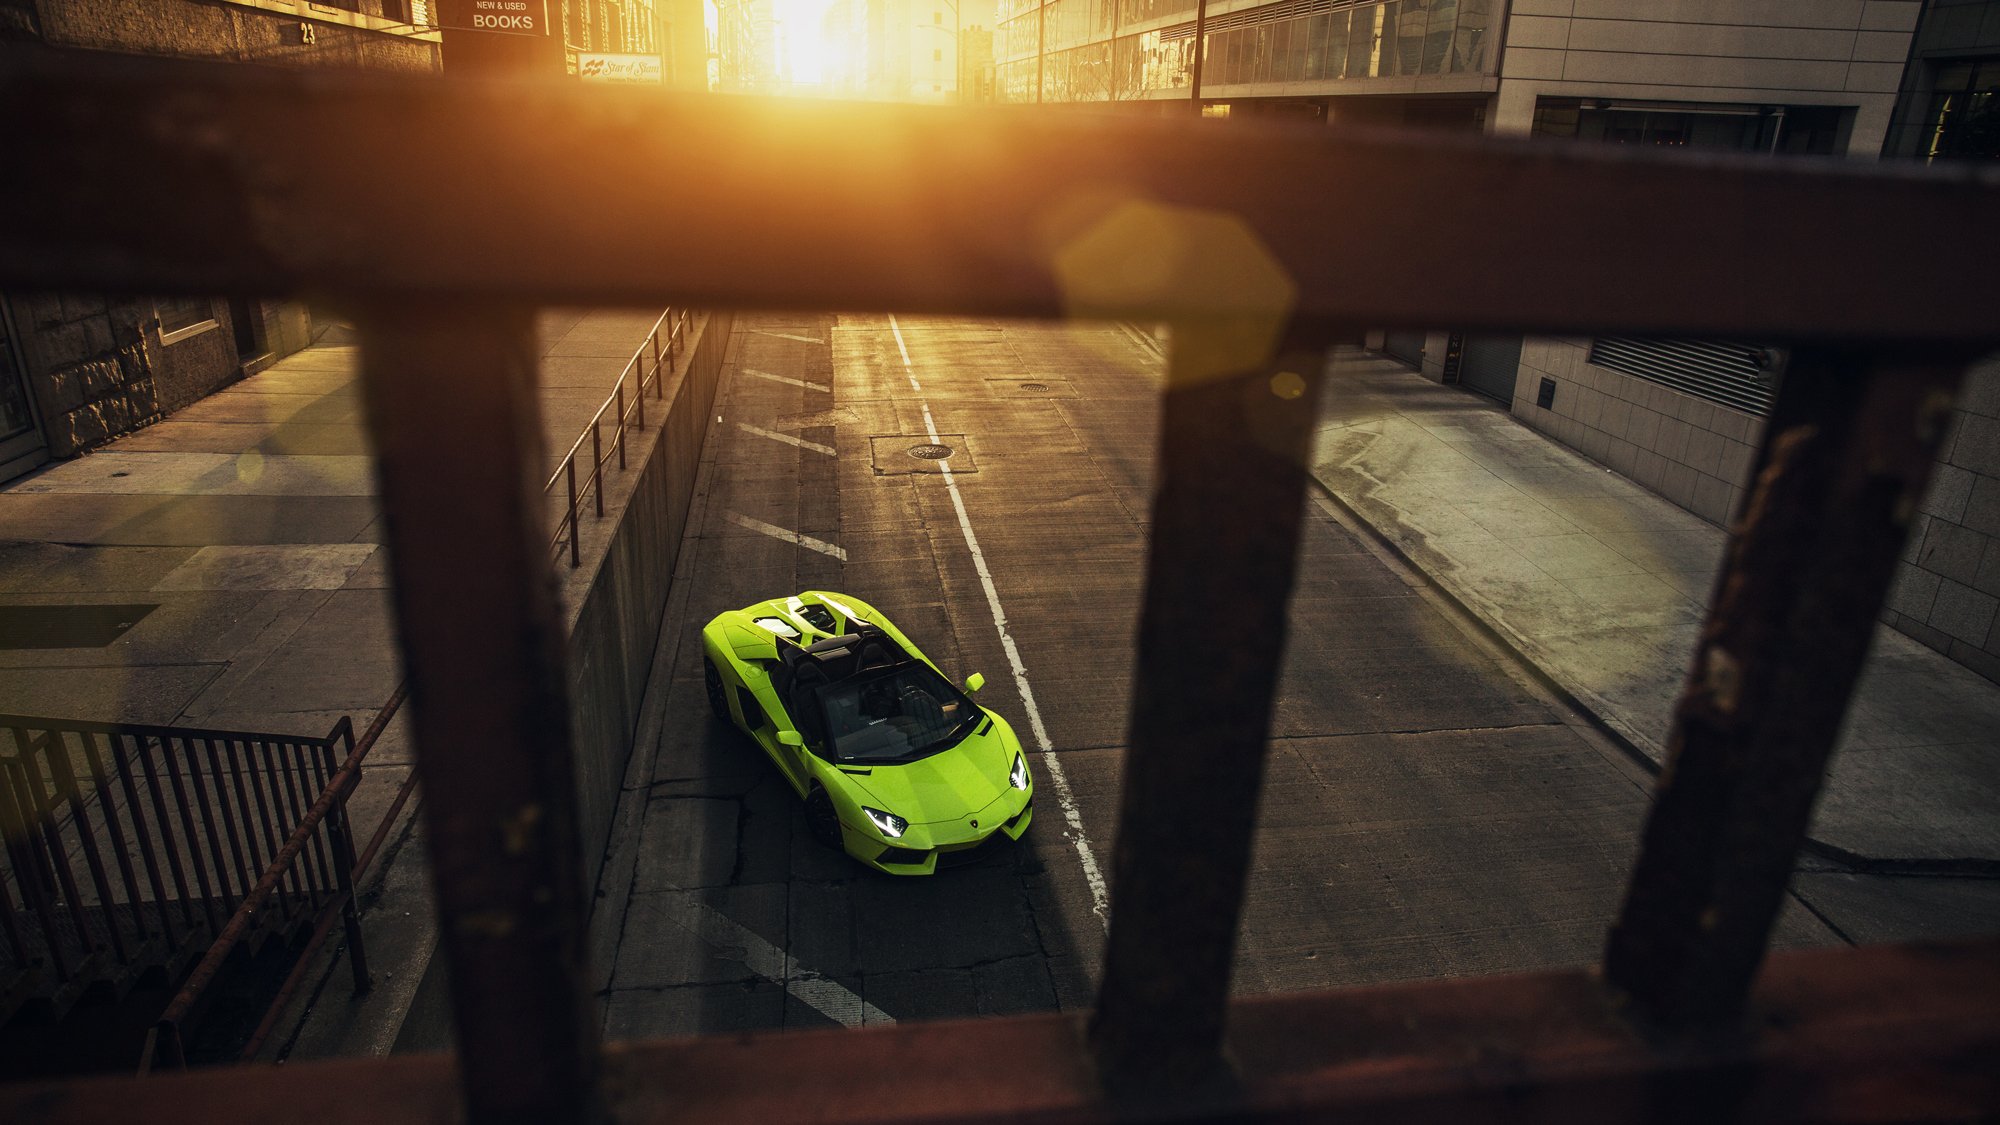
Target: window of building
1963, 120
183, 316
937, 54
1816, 130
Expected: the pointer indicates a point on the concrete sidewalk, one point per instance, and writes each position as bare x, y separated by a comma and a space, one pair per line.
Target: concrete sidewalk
1603, 585
246, 528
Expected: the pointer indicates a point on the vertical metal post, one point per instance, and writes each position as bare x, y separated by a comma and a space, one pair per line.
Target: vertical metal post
1200, 50
1846, 457
341, 834
659, 384
619, 437
569, 464
1220, 565
639, 392
482, 642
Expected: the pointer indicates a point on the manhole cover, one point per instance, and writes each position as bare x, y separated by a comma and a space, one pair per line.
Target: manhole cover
1034, 386
930, 452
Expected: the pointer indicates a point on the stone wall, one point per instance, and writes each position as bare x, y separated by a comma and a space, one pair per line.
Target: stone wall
91, 366
1948, 586
227, 32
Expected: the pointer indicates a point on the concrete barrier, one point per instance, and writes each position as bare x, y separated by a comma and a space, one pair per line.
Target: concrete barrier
616, 600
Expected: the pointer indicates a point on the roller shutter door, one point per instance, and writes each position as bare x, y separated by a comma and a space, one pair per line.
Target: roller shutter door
1489, 364
1406, 346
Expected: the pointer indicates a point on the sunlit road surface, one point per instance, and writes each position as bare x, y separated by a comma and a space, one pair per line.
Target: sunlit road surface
1427, 813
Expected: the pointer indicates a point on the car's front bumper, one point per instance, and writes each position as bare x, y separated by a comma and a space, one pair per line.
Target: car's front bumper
918, 853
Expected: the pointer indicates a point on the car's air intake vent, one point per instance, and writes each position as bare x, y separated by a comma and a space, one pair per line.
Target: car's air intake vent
1737, 375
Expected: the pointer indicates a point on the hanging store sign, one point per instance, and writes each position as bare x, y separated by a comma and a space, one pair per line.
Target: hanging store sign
505, 17
597, 67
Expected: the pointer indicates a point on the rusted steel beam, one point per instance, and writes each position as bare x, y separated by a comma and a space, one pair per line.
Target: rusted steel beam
451, 405
1846, 457
1219, 566
797, 204
1886, 1033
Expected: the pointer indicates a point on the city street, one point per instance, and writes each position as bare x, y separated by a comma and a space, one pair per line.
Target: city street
1429, 811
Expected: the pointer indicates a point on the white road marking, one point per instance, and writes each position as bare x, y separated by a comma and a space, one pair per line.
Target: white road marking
1100, 896
776, 532
787, 379
787, 336
828, 997
786, 438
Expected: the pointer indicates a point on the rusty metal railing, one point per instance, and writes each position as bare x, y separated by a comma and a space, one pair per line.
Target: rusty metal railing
623, 408
1240, 237
133, 848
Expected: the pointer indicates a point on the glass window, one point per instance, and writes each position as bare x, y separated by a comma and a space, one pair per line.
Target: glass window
176, 313
1336, 44
1281, 53
1313, 62
1437, 35
1469, 46
1963, 119
1364, 44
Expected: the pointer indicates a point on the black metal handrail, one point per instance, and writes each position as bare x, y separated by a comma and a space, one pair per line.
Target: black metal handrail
663, 354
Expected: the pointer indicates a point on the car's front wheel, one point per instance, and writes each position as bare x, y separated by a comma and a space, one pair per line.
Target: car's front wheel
822, 820
717, 702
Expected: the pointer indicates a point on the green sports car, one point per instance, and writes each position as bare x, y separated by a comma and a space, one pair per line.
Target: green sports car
896, 765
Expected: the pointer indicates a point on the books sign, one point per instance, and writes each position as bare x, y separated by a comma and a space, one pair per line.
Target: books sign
508, 17
595, 67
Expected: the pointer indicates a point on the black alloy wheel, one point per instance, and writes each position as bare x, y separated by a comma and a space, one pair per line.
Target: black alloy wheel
822, 820
717, 702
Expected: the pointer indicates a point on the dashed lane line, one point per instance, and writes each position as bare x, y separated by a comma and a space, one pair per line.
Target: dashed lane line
788, 439
776, 532
786, 379
1093, 877
788, 336
828, 997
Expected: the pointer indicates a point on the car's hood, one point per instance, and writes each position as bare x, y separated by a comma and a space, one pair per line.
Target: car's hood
943, 787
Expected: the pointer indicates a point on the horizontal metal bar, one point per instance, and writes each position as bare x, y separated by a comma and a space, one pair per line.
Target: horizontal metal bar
1880, 1033
42, 724
802, 204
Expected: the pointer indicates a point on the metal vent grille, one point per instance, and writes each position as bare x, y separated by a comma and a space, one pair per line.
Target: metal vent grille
1737, 375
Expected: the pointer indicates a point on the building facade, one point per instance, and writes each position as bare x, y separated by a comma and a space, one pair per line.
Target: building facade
77, 370
1853, 79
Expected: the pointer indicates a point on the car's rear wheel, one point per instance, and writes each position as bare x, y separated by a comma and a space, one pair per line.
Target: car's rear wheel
822, 820
717, 702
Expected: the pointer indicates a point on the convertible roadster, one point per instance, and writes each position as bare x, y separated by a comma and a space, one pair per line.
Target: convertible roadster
896, 765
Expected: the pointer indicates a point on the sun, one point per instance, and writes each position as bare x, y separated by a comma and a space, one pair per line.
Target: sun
808, 53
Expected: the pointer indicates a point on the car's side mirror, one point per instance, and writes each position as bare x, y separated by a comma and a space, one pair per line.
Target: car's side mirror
975, 681
790, 738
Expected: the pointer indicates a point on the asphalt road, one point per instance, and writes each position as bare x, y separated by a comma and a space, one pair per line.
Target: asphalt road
1429, 811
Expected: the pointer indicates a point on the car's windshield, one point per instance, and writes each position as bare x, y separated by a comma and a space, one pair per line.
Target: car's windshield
895, 715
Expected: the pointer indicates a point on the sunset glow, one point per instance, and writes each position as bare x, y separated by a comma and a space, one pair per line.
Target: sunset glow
809, 54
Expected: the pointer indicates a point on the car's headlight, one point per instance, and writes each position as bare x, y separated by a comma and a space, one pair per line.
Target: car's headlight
888, 824
1018, 776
